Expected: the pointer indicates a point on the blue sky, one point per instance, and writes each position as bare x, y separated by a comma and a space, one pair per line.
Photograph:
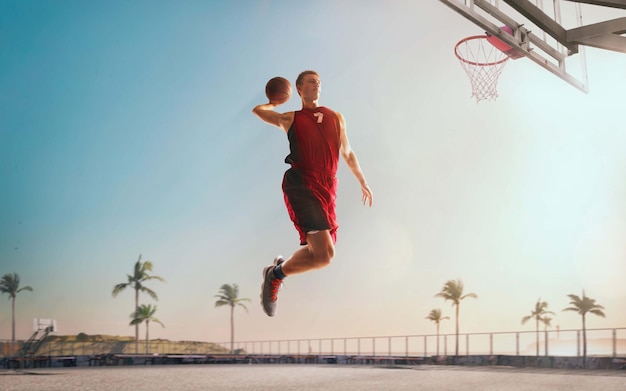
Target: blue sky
126, 129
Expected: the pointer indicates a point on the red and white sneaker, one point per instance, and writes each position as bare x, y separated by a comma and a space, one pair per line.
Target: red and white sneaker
270, 287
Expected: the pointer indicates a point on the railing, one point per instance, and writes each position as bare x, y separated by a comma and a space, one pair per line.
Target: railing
600, 342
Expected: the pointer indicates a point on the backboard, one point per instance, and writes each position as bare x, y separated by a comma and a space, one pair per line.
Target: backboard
552, 33
40, 324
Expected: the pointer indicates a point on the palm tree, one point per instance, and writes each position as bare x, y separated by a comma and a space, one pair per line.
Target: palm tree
540, 311
435, 316
453, 291
583, 306
136, 281
229, 295
145, 313
10, 284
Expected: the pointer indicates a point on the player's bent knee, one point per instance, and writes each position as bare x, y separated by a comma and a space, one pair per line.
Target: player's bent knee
324, 258
322, 248
323, 261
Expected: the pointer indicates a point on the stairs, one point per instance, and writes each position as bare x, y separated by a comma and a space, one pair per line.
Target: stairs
33, 344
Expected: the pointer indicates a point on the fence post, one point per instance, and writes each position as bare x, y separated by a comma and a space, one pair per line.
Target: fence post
389, 345
445, 345
517, 344
491, 344
467, 344
373, 346
546, 338
406, 345
426, 347
614, 343
578, 343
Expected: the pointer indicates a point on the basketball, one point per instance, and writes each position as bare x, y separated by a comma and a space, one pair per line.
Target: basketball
278, 90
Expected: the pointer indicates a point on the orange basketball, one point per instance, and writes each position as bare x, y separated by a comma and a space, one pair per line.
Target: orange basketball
278, 90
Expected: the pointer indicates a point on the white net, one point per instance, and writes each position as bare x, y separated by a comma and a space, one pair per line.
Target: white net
483, 63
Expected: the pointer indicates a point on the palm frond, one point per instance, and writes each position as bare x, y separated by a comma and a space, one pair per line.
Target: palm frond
118, 288
144, 313
598, 312
574, 298
149, 291
453, 290
584, 305
155, 320
229, 295
10, 284
435, 315
136, 321
546, 321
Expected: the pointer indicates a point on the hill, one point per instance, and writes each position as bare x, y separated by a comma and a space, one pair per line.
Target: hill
83, 344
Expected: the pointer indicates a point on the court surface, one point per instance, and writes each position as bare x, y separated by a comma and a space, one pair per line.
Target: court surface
310, 377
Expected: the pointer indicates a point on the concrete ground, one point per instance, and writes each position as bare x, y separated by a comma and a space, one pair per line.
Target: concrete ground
310, 377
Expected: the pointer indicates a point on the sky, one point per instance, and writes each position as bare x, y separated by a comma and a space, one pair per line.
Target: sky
126, 129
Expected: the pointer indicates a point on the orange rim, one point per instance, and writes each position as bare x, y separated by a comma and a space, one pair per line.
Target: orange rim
478, 64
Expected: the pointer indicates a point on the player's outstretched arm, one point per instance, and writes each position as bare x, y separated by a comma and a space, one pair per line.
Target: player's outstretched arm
266, 113
353, 163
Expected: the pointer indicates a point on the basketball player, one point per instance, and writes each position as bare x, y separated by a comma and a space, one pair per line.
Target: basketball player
317, 135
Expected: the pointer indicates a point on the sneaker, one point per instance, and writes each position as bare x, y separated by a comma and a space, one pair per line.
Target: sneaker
270, 287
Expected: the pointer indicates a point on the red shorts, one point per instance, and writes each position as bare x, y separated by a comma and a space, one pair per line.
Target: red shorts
310, 200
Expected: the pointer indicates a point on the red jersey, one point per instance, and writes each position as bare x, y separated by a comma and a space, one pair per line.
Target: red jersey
314, 140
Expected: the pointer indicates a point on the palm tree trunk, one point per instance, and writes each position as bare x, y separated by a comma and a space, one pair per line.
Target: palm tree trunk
137, 325
437, 338
12, 325
232, 329
584, 343
537, 334
147, 337
457, 330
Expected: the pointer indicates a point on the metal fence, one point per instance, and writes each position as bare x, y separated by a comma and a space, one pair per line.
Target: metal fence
600, 342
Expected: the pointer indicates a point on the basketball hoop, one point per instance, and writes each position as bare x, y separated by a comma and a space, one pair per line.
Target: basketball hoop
483, 63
